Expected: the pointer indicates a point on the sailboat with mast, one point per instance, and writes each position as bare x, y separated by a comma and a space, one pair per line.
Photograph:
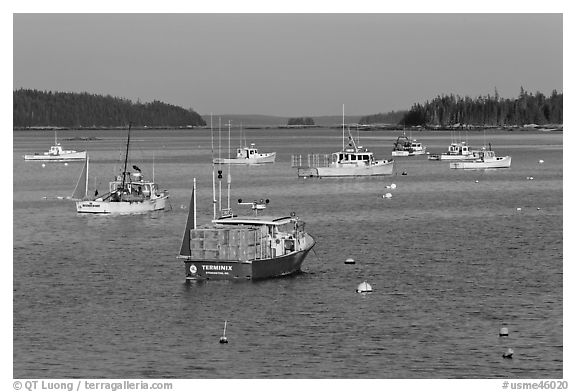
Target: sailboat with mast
128, 193
242, 247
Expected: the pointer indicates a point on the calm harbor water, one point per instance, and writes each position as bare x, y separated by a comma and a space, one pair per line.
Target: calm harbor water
450, 257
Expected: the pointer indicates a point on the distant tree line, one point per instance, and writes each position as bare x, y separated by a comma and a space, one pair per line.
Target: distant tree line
46, 108
384, 118
301, 121
448, 110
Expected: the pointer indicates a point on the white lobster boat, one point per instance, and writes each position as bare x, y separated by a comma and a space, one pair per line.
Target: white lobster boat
405, 147
248, 155
128, 193
351, 161
486, 159
456, 152
56, 153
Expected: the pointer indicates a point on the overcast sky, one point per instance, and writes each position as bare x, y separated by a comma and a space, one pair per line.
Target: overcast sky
288, 64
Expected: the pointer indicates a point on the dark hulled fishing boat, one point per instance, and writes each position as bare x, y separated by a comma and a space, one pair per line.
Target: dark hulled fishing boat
249, 247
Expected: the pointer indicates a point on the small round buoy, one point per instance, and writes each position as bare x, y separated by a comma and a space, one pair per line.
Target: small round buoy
476, 181
364, 287
541, 161
387, 195
349, 260
66, 164
392, 186
508, 353
223, 340
518, 209
531, 178
43, 165
538, 208
503, 331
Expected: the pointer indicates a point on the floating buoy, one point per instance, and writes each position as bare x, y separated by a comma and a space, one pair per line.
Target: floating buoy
508, 354
387, 195
538, 208
503, 331
66, 164
540, 161
518, 209
223, 338
43, 165
529, 178
349, 260
476, 181
392, 186
364, 287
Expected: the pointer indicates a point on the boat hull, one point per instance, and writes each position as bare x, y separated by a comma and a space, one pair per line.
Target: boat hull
382, 168
448, 157
265, 158
408, 153
248, 270
77, 156
498, 163
121, 207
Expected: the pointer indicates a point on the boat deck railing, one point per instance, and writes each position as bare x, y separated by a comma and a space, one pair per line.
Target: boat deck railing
311, 160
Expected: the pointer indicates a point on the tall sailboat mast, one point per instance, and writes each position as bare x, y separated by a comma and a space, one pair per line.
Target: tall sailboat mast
126, 157
87, 175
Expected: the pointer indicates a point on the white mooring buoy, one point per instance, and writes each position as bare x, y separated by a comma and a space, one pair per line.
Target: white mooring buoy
476, 181
518, 209
349, 260
364, 287
503, 331
541, 161
508, 354
65, 163
387, 196
223, 338
43, 165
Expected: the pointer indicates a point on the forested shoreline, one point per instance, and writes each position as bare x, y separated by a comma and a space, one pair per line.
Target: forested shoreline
34, 109
43, 109
451, 110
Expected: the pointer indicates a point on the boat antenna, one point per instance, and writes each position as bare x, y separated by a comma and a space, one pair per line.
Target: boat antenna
153, 156
342, 127
213, 170
126, 157
229, 178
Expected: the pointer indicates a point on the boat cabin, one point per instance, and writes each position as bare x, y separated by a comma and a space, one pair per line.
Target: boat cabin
247, 152
353, 156
56, 150
134, 186
458, 149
